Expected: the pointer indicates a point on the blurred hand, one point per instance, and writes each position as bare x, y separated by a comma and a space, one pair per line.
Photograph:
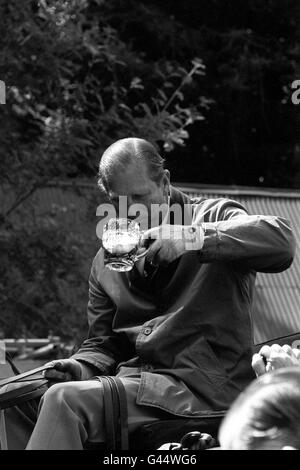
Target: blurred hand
274, 357
196, 440
64, 370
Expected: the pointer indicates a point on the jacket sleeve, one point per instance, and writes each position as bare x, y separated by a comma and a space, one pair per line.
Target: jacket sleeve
103, 349
255, 242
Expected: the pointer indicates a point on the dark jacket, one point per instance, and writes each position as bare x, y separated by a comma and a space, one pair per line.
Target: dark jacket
187, 328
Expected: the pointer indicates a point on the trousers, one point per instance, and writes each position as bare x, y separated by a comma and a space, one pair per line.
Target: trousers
70, 414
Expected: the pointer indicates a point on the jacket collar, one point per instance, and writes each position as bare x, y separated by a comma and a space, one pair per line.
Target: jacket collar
184, 215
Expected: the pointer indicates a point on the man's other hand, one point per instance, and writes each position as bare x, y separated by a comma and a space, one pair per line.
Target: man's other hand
274, 357
64, 370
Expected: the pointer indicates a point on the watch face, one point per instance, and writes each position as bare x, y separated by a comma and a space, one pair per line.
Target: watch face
190, 233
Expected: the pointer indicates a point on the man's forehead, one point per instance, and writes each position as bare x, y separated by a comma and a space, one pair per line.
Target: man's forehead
133, 179
125, 190
136, 188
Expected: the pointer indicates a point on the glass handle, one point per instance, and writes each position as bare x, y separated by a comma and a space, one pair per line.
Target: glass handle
141, 255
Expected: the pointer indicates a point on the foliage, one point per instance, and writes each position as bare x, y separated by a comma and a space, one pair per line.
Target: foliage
207, 81
251, 52
40, 266
73, 87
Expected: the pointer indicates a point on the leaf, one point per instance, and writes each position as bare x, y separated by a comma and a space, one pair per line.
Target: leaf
81, 141
179, 95
136, 83
18, 110
92, 49
162, 94
198, 63
146, 108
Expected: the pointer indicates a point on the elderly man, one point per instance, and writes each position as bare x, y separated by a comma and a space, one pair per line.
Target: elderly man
176, 328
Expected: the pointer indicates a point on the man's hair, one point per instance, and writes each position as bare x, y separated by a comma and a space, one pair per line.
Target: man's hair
125, 152
266, 414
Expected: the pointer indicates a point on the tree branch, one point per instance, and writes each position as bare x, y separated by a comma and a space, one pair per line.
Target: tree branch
20, 200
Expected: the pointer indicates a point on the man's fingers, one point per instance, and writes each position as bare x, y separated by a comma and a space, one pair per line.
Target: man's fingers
287, 349
157, 259
265, 351
269, 367
296, 353
258, 364
148, 235
275, 348
145, 243
147, 239
53, 374
61, 370
59, 364
153, 250
141, 250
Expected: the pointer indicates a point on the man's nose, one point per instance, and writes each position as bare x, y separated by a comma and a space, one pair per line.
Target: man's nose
124, 204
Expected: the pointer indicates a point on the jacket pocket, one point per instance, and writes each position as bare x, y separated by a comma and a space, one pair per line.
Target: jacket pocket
201, 365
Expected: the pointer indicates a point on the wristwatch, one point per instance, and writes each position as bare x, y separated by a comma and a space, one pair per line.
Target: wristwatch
193, 236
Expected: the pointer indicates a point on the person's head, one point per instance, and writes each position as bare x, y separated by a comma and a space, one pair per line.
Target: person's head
133, 168
266, 415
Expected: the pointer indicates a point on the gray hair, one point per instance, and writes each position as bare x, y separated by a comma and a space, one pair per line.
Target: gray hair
126, 152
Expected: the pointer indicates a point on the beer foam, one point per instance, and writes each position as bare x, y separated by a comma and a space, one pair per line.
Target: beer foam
120, 243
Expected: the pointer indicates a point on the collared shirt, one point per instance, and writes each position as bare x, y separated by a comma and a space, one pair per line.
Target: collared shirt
188, 329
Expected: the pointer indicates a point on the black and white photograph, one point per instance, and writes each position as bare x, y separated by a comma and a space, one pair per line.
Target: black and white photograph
149, 228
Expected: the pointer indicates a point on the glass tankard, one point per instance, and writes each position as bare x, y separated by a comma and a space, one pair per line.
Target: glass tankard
121, 244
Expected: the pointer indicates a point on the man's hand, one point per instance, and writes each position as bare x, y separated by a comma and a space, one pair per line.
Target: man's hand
274, 357
171, 242
64, 370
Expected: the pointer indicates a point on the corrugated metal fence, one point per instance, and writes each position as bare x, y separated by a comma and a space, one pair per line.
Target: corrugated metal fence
276, 308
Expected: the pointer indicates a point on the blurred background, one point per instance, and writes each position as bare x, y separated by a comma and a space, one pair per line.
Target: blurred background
209, 82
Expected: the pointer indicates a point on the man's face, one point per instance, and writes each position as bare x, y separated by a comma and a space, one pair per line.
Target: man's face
135, 183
